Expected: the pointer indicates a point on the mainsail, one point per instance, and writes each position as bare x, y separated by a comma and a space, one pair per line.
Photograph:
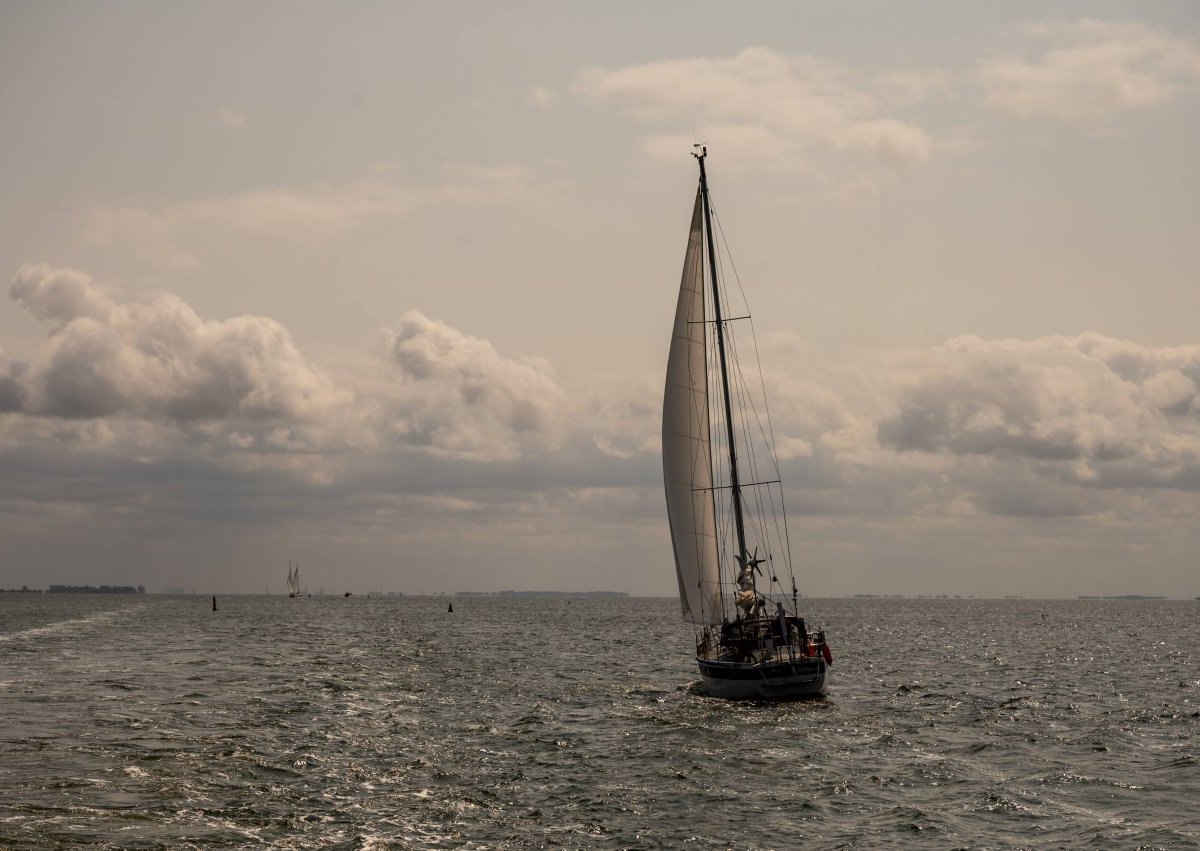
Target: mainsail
687, 461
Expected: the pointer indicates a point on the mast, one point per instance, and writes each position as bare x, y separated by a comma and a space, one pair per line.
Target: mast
734, 480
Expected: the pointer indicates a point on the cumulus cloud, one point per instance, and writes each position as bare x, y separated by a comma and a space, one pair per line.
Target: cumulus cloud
1090, 70
142, 421
1058, 427
1094, 410
240, 385
59, 295
622, 415
1086, 427
160, 360
458, 396
769, 109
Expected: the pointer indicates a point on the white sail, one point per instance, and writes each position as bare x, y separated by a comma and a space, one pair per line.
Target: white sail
686, 445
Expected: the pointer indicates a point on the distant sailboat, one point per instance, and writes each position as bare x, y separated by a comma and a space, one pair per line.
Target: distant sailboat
747, 645
293, 579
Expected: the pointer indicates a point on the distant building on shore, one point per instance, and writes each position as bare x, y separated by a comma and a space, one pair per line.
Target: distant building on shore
93, 589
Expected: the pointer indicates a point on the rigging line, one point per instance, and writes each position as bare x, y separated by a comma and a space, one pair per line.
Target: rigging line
743, 484
768, 433
753, 330
746, 406
772, 513
737, 403
763, 505
732, 265
766, 402
724, 318
787, 541
782, 517
763, 519
778, 512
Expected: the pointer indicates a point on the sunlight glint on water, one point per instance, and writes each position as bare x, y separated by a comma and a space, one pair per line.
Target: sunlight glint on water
153, 722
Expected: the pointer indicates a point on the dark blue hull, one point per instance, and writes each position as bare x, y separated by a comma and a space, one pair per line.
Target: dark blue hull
774, 680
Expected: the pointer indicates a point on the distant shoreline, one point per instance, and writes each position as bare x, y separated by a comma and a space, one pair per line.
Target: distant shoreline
540, 594
93, 589
1007, 597
533, 594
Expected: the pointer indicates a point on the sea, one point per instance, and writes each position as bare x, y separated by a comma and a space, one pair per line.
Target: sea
154, 722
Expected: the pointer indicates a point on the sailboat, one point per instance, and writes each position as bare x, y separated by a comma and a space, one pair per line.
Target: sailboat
725, 528
293, 580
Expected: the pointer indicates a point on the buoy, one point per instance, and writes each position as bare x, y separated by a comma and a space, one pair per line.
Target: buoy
451, 608
214, 604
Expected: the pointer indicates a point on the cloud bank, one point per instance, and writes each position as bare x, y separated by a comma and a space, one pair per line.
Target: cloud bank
1090, 412
144, 416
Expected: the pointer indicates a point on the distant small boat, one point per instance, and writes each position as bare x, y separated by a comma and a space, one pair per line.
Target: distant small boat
748, 645
293, 579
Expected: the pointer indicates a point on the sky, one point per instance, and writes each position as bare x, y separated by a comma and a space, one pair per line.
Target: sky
386, 289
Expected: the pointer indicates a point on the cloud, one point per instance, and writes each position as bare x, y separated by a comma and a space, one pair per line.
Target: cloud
913, 86
232, 119
1016, 490
1088, 427
1087, 412
459, 397
1091, 70
12, 390
540, 97
59, 295
770, 110
621, 414
159, 360
240, 385
169, 415
1091, 409
305, 214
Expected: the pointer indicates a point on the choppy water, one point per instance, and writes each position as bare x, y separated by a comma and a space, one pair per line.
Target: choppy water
153, 722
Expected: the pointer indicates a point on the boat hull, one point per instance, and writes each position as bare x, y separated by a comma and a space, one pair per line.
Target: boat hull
782, 680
